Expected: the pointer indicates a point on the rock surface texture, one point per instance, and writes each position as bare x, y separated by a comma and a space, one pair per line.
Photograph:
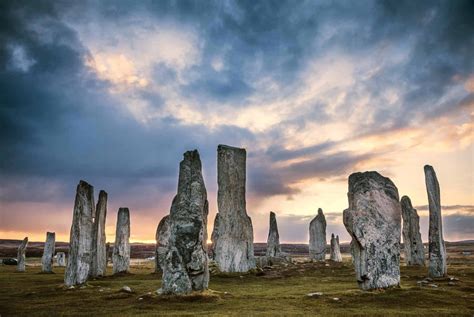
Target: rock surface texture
233, 232
61, 259
437, 249
414, 252
80, 241
99, 252
317, 237
335, 249
121, 253
21, 256
48, 253
373, 221
273, 241
162, 237
186, 264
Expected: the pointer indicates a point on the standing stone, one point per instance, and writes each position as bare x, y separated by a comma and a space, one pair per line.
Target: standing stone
233, 244
108, 253
21, 258
162, 237
373, 221
80, 242
61, 259
214, 236
414, 252
48, 253
437, 249
273, 241
121, 253
99, 251
335, 249
317, 237
186, 263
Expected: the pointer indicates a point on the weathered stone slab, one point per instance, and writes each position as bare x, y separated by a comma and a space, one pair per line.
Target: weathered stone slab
437, 248
61, 259
373, 221
163, 233
317, 237
99, 251
121, 253
335, 249
186, 263
233, 240
21, 256
48, 253
80, 242
273, 241
414, 251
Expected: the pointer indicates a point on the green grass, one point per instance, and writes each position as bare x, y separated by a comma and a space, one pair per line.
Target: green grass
281, 291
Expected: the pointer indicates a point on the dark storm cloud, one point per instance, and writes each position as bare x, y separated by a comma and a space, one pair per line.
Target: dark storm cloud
59, 123
277, 154
266, 179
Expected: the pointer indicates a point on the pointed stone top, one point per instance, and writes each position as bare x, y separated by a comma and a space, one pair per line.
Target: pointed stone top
320, 212
428, 168
103, 193
228, 147
406, 202
332, 235
272, 214
83, 183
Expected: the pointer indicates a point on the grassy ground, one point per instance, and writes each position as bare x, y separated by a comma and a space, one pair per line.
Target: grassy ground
280, 291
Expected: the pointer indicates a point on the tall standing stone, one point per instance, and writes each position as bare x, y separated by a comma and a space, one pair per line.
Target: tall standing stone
317, 237
162, 237
61, 259
373, 221
99, 250
273, 241
437, 249
335, 249
80, 241
414, 252
121, 253
21, 256
233, 245
48, 253
186, 263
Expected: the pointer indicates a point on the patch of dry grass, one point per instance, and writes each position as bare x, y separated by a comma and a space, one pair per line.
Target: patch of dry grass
280, 291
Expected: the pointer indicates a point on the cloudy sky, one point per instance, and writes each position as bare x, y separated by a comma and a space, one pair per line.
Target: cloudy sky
114, 92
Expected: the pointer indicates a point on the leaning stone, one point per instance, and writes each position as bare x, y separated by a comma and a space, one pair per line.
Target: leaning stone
80, 242
317, 237
414, 252
273, 241
21, 257
335, 250
186, 263
162, 236
437, 248
121, 253
373, 221
48, 253
99, 249
61, 259
233, 241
